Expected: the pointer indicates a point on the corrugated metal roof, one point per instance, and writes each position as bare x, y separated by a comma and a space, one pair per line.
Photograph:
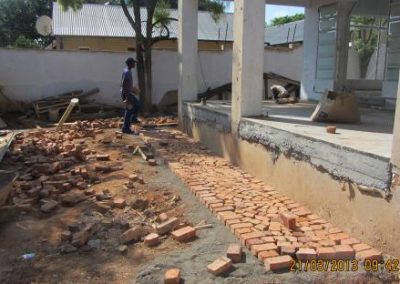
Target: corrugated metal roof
109, 21
284, 34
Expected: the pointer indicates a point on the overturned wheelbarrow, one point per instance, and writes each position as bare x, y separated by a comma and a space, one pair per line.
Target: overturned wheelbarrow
7, 179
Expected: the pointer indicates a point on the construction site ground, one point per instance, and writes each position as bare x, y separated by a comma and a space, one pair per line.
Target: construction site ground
111, 173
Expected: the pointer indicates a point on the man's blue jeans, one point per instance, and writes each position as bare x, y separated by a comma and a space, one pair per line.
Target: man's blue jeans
136, 108
131, 114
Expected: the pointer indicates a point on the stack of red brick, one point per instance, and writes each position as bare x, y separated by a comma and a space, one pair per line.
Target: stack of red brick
273, 227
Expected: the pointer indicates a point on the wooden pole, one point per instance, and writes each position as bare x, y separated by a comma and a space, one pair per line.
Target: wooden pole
67, 112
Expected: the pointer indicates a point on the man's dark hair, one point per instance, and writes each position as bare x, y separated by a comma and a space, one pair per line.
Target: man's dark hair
130, 61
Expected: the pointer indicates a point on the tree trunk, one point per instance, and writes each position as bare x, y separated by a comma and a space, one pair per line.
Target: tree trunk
149, 79
151, 6
141, 67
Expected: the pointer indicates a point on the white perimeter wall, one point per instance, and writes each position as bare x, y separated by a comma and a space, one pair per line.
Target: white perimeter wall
28, 75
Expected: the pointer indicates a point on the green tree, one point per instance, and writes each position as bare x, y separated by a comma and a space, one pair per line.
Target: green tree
287, 19
18, 18
365, 39
155, 29
23, 42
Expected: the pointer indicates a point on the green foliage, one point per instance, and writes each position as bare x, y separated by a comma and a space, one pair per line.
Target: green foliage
162, 13
287, 19
216, 8
73, 4
18, 17
23, 42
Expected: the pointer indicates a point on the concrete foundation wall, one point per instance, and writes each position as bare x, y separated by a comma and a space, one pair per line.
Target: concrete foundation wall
357, 210
28, 75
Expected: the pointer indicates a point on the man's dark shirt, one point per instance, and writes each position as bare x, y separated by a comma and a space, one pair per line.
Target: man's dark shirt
127, 86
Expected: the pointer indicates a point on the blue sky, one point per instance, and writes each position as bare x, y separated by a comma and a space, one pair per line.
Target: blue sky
273, 11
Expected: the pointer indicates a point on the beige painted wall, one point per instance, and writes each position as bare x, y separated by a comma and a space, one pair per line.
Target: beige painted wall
126, 44
373, 220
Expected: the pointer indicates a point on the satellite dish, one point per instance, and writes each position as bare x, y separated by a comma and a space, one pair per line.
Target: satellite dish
43, 25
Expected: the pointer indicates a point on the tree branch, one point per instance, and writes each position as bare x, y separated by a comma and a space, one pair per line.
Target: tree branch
154, 40
127, 14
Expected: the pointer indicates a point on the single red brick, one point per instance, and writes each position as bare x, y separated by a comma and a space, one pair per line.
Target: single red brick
184, 234
172, 276
162, 217
268, 239
119, 203
344, 252
82, 185
306, 254
234, 227
232, 221
288, 220
134, 233
350, 241
288, 250
253, 235
267, 254
326, 253
224, 208
241, 231
103, 157
361, 247
371, 254
256, 249
220, 266
234, 252
252, 242
152, 240
275, 226
133, 177
282, 244
167, 226
326, 243
278, 262
338, 237
331, 129
152, 162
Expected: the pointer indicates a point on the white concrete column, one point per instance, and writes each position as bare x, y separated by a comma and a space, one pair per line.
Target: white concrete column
187, 52
396, 133
248, 58
310, 49
342, 44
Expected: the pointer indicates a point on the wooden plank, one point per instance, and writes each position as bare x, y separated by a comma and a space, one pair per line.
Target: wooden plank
278, 77
5, 144
216, 91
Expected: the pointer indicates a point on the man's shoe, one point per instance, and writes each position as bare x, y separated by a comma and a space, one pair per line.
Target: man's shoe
127, 131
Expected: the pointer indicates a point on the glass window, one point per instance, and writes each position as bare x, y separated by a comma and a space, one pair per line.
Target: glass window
393, 51
368, 34
326, 52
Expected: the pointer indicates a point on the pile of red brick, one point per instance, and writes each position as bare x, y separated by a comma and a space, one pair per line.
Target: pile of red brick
60, 168
273, 227
161, 120
49, 164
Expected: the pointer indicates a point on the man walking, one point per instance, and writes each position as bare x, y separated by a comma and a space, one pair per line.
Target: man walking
129, 95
